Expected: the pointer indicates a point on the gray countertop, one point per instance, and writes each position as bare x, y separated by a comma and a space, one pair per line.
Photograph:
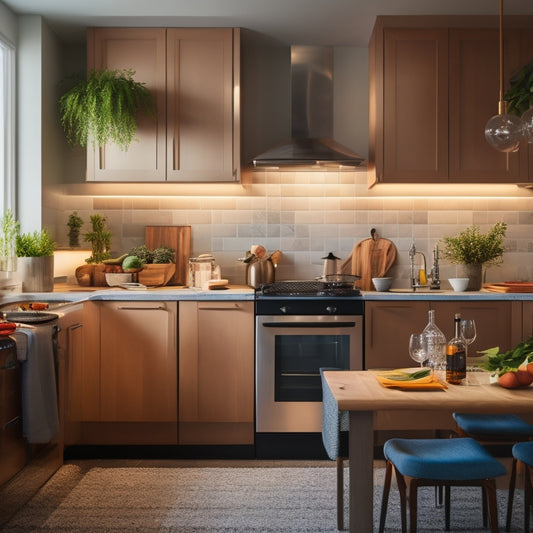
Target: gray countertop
64, 293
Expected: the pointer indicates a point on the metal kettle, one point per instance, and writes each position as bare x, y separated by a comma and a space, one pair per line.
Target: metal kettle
330, 264
260, 272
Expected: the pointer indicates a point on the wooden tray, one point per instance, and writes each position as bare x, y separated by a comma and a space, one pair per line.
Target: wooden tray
510, 286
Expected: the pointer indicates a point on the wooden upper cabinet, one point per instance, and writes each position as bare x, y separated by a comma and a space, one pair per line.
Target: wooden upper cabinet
474, 96
143, 51
432, 91
195, 76
200, 91
415, 97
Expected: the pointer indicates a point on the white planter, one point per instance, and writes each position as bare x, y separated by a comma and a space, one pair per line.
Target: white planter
36, 273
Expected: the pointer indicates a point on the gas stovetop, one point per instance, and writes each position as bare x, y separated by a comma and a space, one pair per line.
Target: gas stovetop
308, 288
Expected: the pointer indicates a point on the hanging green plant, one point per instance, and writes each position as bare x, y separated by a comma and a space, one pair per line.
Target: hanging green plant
520, 95
103, 108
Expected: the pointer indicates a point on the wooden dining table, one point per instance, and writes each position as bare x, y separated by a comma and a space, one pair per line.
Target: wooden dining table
360, 393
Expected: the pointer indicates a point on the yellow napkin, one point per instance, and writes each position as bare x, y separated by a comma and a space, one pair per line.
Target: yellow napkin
386, 378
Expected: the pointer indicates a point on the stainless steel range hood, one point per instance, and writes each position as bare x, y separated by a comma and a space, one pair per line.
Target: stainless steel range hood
311, 115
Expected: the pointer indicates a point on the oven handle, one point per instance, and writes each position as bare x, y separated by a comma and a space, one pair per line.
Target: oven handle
328, 325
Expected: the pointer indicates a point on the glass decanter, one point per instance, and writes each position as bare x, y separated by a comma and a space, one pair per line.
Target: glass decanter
435, 343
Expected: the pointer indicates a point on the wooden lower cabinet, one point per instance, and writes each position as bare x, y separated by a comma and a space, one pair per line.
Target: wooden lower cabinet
388, 325
527, 319
216, 372
124, 381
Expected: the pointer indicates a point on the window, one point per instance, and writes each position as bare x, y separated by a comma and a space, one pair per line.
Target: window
7, 126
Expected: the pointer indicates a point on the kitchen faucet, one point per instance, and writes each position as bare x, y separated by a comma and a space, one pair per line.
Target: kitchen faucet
434, 275
418, 275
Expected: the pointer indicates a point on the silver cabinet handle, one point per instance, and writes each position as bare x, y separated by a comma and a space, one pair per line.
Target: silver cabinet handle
133, 308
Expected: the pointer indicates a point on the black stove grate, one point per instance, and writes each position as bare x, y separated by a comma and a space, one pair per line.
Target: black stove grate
308, 287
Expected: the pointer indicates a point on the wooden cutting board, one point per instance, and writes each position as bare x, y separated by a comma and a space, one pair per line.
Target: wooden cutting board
510, 286
370, 258
179, 239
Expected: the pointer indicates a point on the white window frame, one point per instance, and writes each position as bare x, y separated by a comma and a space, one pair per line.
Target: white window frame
7, 125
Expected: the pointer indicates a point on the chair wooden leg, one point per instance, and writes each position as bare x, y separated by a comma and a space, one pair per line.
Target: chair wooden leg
413, 505
447, 505
484, 510
512, 484
490, 487
340, 493
528, 497
385, 497
402, 489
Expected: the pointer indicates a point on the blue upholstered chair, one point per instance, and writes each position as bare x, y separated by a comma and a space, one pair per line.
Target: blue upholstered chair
523, 452
335, 426
500, 428
438, 462
496, 429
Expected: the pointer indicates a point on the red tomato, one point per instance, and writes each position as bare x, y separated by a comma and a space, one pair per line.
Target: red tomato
523, 376
509, 380
529, 368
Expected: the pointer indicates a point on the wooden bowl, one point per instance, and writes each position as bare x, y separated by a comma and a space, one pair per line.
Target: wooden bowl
156, 275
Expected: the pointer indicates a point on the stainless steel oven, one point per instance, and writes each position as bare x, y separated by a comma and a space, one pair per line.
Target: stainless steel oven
296, 335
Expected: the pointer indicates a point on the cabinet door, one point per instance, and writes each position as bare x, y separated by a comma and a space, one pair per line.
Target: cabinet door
498, 323
138, 362
388, 326
410, 132
474, 96
216, 369
143, 51
527, 319
203, 108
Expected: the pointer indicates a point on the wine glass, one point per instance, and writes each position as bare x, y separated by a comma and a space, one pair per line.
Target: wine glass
417, 348
468, 332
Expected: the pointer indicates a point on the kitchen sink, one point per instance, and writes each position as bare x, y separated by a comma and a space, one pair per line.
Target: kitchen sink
418, 291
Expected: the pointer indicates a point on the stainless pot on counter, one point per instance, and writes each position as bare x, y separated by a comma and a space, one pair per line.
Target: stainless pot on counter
260, 272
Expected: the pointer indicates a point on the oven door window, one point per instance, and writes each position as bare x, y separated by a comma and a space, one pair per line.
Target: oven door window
298, 359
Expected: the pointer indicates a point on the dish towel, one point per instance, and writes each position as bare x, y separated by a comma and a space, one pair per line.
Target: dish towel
39, 393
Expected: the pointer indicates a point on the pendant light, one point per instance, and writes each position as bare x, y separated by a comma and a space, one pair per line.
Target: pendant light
503, 131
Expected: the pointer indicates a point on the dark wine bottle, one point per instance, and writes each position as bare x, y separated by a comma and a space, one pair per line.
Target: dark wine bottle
456, 355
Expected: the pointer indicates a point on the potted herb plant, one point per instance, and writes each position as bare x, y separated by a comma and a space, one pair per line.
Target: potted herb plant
93, 273
35, 264
474, 249
103, 108
74, 224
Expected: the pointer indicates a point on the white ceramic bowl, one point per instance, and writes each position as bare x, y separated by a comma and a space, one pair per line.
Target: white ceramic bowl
459, 284
113, 278
382, 284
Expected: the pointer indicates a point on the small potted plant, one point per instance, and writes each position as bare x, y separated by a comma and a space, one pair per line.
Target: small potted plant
35, 264
74, 224
93, 274
103, 108
474, 249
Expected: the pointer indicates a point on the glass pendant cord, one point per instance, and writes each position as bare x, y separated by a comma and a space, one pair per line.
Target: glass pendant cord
503, 131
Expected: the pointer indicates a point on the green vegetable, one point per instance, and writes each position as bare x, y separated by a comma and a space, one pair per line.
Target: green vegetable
131, 261
500, 363
409, 376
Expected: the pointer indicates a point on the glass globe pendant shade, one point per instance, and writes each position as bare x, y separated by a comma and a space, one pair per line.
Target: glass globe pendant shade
504, 132
527, 121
